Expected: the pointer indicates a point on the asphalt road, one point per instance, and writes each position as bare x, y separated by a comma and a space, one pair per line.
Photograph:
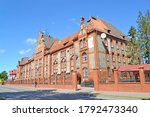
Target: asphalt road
24, 93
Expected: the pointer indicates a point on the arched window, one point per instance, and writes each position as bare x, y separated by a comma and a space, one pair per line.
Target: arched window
84, 42
81, 45
63, 65
84, 57
72, 61
85, 72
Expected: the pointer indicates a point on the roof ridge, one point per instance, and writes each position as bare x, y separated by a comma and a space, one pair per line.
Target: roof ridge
111, 25
114, 30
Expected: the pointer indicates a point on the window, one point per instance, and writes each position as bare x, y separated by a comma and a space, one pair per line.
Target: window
63, 63
113, 57
106, 43
112, 45
123, 58
55, 75
85, 72
121, 45
108, 72
81, 44
72, 62
55, 68
117, 44
107, 57
63, 54
71, 51
84, 42
84, 57
119, 60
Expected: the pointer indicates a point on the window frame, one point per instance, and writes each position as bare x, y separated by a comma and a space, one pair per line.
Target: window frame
85, 72
84, 57
84, 42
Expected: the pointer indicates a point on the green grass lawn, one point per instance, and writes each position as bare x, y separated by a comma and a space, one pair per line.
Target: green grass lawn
121, 97
1, 98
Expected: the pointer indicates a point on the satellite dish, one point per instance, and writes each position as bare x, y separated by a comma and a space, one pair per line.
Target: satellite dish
103, 35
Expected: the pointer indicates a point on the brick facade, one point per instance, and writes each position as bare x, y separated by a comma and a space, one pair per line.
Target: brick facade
55, 61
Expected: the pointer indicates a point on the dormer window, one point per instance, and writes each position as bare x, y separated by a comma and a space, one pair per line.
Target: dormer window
109, 31
123, 37
65, 43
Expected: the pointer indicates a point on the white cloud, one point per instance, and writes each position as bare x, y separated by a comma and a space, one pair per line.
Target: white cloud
2, 51
24, 51
30, 41
74, 21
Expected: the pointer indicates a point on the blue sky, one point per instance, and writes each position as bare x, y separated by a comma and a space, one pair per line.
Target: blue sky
21, 20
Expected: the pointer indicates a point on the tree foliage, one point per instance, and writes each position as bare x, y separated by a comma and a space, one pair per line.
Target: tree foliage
138, 45
133, 52
3, 76
144, 35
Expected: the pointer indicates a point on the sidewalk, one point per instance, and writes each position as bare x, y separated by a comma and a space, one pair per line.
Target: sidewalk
123, 95
97, 94
110, 94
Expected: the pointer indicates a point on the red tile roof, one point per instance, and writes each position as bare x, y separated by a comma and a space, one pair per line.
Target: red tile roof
63, 43
97, 24
134, 67
12, 72
103, 26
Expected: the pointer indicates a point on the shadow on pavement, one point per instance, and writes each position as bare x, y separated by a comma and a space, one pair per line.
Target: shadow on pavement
46, 95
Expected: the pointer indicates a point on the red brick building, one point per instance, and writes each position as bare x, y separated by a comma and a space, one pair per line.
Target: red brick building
97, 44
12, 75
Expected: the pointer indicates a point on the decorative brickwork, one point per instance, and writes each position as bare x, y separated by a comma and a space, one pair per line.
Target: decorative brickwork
55, 62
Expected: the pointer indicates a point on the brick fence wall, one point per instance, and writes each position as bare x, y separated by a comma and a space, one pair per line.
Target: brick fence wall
59, 84
141, 86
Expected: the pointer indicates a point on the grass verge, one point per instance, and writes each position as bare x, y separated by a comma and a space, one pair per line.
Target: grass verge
1, 98
121, 97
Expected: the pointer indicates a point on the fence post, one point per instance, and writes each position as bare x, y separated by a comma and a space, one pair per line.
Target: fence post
116, 78
96, 78
74, 80
142, 76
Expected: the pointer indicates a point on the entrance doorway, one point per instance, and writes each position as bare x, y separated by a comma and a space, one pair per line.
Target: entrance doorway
79, 78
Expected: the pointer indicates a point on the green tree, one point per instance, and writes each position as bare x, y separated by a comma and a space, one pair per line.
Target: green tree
3, 76
144, 35
133, 52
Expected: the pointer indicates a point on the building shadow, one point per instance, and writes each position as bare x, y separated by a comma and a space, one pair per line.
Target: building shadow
50, 94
